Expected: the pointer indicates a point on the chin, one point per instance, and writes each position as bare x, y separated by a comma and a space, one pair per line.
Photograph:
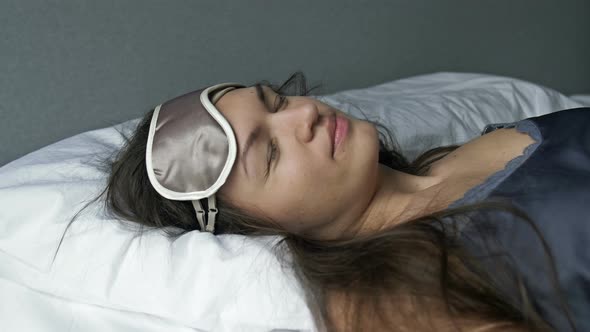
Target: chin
368, 146
370, 137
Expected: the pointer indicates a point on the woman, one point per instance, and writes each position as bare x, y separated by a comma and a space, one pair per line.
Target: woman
377, 242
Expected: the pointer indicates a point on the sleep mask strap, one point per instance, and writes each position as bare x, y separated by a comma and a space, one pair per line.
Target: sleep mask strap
212, 207
211, 213
200, 212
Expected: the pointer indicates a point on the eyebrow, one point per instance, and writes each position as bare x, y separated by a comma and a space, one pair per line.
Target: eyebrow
253, 136
260, 94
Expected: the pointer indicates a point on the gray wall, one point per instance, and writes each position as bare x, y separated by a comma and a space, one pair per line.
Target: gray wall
74, 65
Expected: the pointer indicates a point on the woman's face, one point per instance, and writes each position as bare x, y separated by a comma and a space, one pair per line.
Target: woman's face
286, 168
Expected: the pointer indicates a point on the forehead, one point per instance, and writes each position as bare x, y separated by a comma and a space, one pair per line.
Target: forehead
235, 100
239, 104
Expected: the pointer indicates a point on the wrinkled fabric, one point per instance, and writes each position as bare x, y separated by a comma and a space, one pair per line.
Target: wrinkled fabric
550, 182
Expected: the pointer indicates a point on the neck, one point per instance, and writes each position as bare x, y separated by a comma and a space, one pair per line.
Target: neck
399, 197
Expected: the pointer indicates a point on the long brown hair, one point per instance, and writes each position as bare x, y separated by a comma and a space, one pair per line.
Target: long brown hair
404, 278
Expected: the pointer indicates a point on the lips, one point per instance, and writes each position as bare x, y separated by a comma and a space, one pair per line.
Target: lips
340, 132
332, 131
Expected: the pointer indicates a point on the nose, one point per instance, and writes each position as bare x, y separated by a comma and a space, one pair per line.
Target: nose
300, 117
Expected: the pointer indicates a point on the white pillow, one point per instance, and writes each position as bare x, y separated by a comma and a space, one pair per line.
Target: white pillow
582, 99
439, 109
106, 278
225, 283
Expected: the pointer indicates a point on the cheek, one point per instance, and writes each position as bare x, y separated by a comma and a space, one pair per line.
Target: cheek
307, 178
310, 191
235, 189
296, 189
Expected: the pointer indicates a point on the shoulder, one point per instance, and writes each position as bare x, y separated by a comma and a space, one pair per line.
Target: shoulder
484, 154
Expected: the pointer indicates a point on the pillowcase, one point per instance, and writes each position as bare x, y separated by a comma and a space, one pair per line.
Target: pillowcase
105, 276
428, 111
199, 281
582, 99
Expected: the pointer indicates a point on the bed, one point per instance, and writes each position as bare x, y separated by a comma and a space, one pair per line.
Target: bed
104, 277
73, 72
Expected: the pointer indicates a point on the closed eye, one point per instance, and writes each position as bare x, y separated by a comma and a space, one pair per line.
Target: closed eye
273, 151
280, 100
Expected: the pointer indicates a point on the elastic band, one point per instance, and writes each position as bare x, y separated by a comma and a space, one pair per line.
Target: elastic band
200, 212
212, 213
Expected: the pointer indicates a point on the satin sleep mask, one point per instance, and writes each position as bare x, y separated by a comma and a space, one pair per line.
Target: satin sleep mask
191, 149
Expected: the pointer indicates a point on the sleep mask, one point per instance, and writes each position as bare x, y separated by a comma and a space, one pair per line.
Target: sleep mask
191, 149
